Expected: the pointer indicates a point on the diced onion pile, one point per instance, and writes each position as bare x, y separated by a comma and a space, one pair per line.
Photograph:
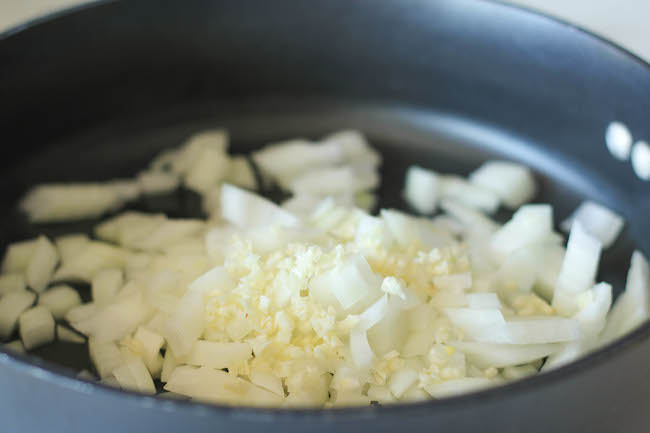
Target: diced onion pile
316, 302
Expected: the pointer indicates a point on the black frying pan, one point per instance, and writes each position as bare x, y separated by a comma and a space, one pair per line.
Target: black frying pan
94, 94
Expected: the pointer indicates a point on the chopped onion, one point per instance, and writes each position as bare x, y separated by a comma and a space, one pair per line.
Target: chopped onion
68, 335
65, 202
453, 387
247, 210
12, 283
472, 221
115, 320
217, 355
105, 285
457, 188
598, 220
401, 380
42, 264
241, 173
485, 355
133, 375
217, 386
513, 183
18, 256
15, 346
156, 182
91, 259
59, 300
36, 327
421, 189
80, 312
578, 269
633, 305
105, 356
531, 224
71, 245
169, 364
11, 307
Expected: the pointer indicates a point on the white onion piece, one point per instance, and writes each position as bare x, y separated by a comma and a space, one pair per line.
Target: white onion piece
457, 188
91, 259
71, 245
472, 221
486, 325
592, 317
217, 355
633, 305
36, 327
247, 210
209, 168
150, 342
105, 356
513, 183
541, 330
181, 161
531, 224
187, 322
80, 312
485, 355
483, 300
18, 256
453, 387
68, 335
354, 145
267, 381
127, 225
518, 372
116, 320
105, 285
11, 306
168, 233
453, 282
598, 220
353, 283
12, 283
42, 264
578, 269
401, 380
373, 314
240, 173
67, 202
133, 375
157, 182
334, 181
421, 189
59, 300
15, 346
418, 343
362, 354
219, 387
284, 161
169, 364
110, 381
380, 394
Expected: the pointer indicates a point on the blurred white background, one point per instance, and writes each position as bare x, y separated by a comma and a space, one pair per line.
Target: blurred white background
626, 22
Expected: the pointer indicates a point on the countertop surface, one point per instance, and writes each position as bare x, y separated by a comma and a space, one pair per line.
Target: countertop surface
625, 22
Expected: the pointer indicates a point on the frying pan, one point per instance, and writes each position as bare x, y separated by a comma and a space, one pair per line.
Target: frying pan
95, 92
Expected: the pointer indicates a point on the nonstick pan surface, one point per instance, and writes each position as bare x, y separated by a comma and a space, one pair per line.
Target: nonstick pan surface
96, 93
